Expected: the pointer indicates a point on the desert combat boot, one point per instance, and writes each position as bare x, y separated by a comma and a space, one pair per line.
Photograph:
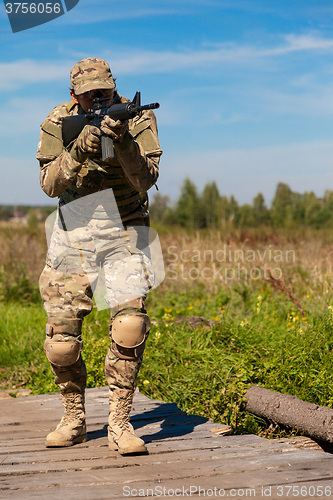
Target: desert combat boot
121, 434
72, 427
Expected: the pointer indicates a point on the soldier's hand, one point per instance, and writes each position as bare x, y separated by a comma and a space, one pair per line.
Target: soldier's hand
114, 129
89, 140
87, 143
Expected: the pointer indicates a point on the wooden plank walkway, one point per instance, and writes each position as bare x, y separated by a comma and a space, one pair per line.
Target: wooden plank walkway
187, 457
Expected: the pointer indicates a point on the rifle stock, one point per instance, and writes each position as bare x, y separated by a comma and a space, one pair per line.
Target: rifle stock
72, 126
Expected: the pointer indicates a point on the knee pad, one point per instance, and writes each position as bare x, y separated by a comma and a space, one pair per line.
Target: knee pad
62, 352
129, 334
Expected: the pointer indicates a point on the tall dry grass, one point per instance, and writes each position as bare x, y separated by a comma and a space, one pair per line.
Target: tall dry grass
301, 258
22, 249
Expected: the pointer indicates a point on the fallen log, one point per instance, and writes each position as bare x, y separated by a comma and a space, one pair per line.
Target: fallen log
313, 420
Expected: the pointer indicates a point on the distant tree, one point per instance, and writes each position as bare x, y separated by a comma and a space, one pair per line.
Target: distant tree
260, 212
159, 207
312, 209
212, 210
282, 205
228, 211
6, 212
328, 199
188, 205
246, 216
298, 208
327, 209
209, 205
234, 210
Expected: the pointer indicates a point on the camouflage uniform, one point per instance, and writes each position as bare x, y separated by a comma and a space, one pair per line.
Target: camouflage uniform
67, 295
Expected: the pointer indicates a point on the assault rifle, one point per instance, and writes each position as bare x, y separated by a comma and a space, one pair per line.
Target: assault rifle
72, 125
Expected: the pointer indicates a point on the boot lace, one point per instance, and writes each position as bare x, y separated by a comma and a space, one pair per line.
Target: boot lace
121, 414
74, 408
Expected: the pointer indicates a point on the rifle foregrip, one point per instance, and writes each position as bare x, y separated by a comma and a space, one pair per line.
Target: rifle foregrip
107, 147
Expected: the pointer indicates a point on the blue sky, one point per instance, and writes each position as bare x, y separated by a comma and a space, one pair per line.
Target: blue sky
245, 87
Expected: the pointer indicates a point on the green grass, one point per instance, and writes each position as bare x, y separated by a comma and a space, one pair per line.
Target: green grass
259, 337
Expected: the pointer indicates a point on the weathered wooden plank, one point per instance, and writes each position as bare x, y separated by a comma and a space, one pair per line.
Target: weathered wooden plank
157, 415
98, 448
171, 425
136, 468
246, 485
15, 415
183, 442
172, 489
153, 423
13, 418
230, 445
27, 443
117, 479
66, 460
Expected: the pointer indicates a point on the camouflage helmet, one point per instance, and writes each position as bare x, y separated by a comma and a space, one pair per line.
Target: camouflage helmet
89, 74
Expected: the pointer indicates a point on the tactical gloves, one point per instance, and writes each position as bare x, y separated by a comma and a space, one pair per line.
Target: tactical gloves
87, 143
89, 140
114, 129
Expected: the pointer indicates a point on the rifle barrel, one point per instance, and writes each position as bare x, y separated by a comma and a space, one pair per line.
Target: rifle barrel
153, 105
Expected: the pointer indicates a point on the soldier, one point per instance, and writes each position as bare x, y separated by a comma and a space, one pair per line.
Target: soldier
70, 173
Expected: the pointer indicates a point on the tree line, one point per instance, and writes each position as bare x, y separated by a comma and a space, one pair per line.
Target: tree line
17, 212
210, 209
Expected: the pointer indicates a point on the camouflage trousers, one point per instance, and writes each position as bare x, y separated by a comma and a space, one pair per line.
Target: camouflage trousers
67, 286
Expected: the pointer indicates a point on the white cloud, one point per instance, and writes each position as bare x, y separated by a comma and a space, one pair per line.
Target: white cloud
20, 73
307, 42
314, 101
228, 53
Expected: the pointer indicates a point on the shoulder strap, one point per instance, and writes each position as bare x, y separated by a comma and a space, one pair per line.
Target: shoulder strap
70, 105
